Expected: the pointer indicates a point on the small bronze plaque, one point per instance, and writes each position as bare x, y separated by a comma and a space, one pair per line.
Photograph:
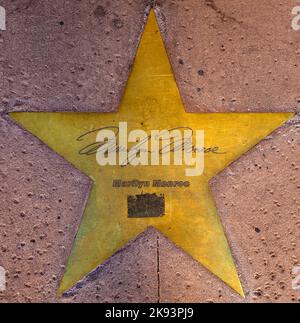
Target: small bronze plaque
146, 206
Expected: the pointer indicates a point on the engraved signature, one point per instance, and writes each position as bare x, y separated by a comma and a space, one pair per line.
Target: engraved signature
168, 146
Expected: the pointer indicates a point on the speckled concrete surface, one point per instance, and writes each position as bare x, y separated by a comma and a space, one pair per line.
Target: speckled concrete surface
183, 279
131, 275
74, 55
68, 55
258, 201
42, 200
234, 55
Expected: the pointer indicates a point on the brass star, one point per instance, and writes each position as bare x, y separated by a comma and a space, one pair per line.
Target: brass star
119, 207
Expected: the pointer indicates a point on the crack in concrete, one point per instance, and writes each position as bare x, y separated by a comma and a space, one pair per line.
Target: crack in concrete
158, 269
25, 7
211, 4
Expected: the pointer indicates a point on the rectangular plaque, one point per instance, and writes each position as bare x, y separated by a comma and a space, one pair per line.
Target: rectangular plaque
146, 206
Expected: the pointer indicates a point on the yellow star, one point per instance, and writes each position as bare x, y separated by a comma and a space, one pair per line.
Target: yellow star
185, 214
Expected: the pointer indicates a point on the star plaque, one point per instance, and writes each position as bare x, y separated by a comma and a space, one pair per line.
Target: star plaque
150, 164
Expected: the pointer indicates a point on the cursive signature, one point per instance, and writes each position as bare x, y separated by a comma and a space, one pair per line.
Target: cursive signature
168, 146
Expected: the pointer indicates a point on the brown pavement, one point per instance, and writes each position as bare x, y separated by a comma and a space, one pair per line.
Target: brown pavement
75, 56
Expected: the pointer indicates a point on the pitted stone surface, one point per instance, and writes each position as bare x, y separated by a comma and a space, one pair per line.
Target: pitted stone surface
76, 55
42, 200
234, 55
258, 201
68, 55
184, 280
129, 276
